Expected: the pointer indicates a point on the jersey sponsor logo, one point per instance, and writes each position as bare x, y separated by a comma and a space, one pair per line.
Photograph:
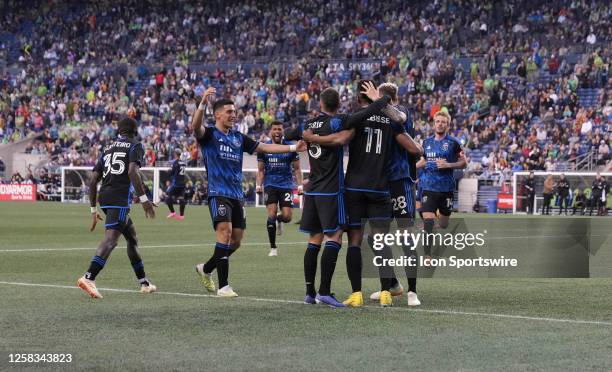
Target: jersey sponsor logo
314, 150
222, 210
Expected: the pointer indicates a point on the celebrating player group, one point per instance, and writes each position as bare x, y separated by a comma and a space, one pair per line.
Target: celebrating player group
379, 186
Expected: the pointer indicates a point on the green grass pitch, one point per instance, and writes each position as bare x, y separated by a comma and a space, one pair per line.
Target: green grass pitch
463, 324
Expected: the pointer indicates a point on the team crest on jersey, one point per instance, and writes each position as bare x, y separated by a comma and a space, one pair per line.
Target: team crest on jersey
236, 142
314, 150
222, 210
445, 146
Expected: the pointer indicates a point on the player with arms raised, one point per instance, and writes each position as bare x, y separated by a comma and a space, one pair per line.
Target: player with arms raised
222, 148
442, 155
118, 169
274, 171
177, 186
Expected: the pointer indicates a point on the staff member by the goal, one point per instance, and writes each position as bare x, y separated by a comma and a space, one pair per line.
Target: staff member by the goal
563, 189
530, 188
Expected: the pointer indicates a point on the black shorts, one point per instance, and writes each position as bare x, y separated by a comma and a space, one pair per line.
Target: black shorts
372, 206
437, 201
176, 191
117, 218
274, 195
403, 198
224, 209
323, 213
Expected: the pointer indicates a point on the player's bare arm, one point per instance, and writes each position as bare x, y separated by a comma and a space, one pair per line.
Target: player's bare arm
335, 139
272, 148
198, 116
93, 198
378, 103
259, 178
394, 113
409, 144
297, 171
136, 179
443, 164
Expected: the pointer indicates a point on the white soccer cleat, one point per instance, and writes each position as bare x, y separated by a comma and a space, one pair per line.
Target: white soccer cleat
273, 252
413, 300
226, 291
146, 289
279, 228
396, 290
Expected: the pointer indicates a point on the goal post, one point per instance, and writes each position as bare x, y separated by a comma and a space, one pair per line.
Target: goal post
579, 181
75, 184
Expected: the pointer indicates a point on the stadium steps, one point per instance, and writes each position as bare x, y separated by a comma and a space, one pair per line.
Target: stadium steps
485, 193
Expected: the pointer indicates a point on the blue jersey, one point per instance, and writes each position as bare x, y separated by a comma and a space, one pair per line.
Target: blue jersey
223, 158
278, 168
440, 180
403, 165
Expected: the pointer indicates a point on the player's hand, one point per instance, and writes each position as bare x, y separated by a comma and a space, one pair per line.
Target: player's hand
431, 166
96, 217
370, 91
442, 164
301, 146
258, 189
148, 209
300, 190
308, 135
209, 92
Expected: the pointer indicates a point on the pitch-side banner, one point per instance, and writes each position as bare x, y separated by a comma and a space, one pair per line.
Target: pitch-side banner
17, 192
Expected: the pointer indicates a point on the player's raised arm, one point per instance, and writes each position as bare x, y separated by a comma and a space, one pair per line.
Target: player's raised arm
378, 103
394, 113
272, 148
93, 196
335, 139
196, 121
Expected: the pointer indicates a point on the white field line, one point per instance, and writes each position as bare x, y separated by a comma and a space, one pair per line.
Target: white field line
247, 244
93, 247
281, 301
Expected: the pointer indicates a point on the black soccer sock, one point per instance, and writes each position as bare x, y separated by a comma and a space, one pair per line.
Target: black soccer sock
428, 225
328, 265
310, 267
138, 267
97, 264
354, 266
182, 204
385, 271
170, 203
271, 226
222, 258
211, 264
412, 267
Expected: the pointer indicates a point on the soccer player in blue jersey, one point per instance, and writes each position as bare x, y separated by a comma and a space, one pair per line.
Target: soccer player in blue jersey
177, 187
222, 148
442, 155
275, 172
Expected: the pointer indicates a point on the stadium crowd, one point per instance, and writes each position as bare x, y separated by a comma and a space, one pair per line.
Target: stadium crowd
504, 71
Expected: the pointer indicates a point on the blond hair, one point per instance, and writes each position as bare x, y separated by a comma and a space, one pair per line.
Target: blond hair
389, 89
443, 114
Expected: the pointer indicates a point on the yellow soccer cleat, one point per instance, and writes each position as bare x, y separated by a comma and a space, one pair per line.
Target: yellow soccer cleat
385, 299
206, 279
354, 300
89, 286
396, 290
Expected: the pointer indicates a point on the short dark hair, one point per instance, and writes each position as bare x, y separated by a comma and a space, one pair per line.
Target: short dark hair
221, 102
331, 99
276, 122
127, 125
360, 86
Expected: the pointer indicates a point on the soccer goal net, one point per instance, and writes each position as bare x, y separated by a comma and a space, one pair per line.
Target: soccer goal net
580, 193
